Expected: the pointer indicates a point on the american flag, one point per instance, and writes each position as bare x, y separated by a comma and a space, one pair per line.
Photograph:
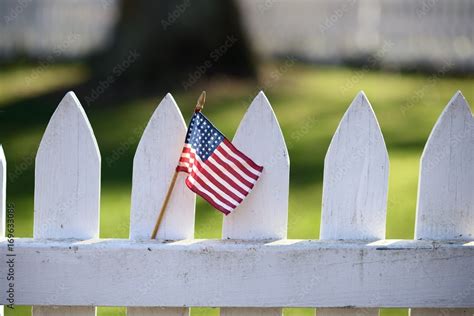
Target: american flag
218, 172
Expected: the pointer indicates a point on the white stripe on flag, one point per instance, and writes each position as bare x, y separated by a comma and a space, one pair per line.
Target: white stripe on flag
210, 194
227, 173
235, 167
199, 174
230, 186
242, 161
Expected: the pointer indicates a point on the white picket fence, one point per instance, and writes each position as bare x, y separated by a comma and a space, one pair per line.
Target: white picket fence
353, 270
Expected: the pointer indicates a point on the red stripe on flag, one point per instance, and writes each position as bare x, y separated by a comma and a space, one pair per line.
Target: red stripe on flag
217, 183
226, 178
232, 171
241, 155
211, 190
182, 169
186, 160
237, 163
206, 197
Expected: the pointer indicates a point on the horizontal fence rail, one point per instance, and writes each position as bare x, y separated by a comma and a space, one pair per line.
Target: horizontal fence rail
67, 270
299, 273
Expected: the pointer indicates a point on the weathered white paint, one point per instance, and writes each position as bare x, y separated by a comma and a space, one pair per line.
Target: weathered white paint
446, 188
154, 164
355, 184
3, 191
253, 277
153, 167
67, 192
67, 176
389, 273
355, 181
442, 312
445, 207
264, 213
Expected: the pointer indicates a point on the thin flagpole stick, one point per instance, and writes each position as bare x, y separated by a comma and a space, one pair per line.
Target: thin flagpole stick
165, 204
198, 108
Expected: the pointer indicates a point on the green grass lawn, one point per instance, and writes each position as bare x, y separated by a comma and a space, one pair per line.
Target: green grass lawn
309, 101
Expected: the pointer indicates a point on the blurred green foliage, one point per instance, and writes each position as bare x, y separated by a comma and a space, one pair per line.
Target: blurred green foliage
309, 101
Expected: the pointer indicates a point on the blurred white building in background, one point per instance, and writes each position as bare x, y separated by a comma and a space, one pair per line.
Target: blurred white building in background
402, 33
398, 33
61, 29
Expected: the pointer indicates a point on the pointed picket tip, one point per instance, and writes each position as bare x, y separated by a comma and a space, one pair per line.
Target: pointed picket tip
2, 155
457, 110
355, 183
167, 110
3, 161
445, 208
69, 110
260, 111
154, 163
67, 175
264, 213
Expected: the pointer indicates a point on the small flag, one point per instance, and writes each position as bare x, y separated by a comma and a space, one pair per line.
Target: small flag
218, 172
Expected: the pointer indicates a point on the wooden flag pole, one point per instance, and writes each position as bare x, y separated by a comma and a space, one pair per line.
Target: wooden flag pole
198, 108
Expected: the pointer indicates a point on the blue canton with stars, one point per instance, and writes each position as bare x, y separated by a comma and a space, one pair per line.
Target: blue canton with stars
203, 137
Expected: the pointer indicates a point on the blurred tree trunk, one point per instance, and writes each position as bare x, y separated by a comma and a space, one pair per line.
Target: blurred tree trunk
175, 43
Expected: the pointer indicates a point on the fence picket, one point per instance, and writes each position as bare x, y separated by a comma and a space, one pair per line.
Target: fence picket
269, 273
264, 213
355, 184
3, 195
446, 189
153, 167
67, 186
3, 192
445, 209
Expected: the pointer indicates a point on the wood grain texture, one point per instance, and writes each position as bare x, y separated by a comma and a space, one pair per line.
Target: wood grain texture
67, 176
67, 191
153, 167
446, 188
355, 181
445, 207
264, 213
389, 273
355, 184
